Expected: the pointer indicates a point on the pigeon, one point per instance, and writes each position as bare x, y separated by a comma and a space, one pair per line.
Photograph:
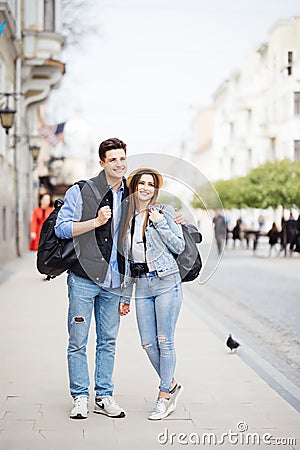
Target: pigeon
231, 343
2, 27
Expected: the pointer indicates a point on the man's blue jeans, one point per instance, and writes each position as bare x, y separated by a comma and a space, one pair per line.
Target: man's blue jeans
86, 297
158, 302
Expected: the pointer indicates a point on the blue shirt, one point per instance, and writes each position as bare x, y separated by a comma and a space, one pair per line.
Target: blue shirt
72, 212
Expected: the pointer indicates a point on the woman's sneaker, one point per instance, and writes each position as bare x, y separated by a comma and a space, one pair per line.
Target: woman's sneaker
175, 393
163, 407
80, 409
109, 407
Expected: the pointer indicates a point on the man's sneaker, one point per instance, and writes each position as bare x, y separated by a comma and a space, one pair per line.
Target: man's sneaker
109, 407
80, 409
175, 393
163, 407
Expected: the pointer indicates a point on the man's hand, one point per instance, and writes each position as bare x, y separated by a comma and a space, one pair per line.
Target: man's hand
104, 214
179, 219
124, 308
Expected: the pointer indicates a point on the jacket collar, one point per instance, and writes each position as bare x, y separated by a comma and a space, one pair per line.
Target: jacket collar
105, 186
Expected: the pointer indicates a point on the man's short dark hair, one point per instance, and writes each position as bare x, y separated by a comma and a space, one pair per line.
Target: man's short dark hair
110, 144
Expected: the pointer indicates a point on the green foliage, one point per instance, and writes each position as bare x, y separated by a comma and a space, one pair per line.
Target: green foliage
207, 198
170, 200
272, 184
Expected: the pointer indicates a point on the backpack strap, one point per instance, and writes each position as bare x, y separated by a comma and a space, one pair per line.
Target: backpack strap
95, 190
93, 187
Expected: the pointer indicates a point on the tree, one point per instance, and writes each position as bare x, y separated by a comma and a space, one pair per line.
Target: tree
273, 184
207, 197
78, 20
269, 185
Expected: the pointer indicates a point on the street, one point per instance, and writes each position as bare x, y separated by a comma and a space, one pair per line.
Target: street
222, 392
256, 299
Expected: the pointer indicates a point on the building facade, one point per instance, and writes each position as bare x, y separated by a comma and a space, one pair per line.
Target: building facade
30, 68
257, 110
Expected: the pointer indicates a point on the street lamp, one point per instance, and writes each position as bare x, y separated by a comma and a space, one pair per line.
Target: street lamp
7, 114
35, 151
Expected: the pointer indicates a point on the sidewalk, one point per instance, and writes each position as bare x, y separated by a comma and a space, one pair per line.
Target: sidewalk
221, 391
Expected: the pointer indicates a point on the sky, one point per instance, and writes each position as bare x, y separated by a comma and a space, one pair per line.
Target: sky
154, 63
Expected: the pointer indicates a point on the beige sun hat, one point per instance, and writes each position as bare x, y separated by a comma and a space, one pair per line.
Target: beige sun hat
142, 169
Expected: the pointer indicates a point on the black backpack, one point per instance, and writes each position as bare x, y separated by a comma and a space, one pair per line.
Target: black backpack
189, 261
55, 255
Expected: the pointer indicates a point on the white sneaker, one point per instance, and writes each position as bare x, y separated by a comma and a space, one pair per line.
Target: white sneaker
163, 407
80, 409
109, 407
175, 393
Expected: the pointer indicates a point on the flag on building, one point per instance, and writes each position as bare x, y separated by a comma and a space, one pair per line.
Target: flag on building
2, 26
53, 134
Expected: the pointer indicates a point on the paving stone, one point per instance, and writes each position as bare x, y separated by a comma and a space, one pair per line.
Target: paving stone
220, 389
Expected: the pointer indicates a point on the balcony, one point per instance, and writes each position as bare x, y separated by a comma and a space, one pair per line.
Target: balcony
42, 44
39, 46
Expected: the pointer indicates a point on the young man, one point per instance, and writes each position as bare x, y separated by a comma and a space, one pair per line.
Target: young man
94, 281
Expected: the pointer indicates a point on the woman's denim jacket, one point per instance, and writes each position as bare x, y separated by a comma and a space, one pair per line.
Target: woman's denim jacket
163, 239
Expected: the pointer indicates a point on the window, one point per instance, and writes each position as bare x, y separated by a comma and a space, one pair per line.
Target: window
4, 223
250, 157
297, 103
231, 125
249, 118
290, 63
272, 149
297, 150
49, 15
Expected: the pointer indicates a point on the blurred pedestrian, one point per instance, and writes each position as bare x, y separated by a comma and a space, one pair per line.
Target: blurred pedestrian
273, 235
261, 222
237, 232
39, 215
220, 230
297, 236
295, 245
291, 232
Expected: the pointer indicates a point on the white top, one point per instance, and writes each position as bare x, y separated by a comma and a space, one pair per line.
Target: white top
138, 251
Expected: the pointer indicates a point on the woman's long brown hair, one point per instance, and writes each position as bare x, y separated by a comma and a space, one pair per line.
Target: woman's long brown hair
132, 200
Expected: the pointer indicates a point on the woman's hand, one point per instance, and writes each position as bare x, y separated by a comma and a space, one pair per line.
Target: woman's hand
155, 215
124, 308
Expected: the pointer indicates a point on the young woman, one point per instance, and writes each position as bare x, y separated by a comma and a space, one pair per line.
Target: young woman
39, 215
152, 237
273, 235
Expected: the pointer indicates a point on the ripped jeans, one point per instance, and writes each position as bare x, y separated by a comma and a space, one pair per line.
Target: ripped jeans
158, 302
86, 298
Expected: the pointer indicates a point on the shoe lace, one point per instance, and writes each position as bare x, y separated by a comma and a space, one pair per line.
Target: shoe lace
80, 401
113, 401
110, 400
159, 405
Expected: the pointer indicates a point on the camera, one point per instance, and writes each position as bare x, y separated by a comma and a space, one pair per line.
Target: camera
137, 269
